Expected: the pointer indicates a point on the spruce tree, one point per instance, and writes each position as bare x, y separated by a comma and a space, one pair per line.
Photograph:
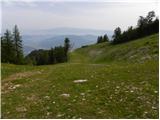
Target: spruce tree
117, 35
2, 50
18, 45
7, 47
98, 40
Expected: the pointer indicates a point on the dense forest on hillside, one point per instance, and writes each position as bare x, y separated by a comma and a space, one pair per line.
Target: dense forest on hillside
145, 26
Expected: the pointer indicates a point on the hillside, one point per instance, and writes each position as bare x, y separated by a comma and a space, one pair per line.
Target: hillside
99, 81
46, 42
135, 51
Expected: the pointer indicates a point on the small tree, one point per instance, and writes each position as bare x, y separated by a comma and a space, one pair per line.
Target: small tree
66, 47
117, 35
99, 39
105, 38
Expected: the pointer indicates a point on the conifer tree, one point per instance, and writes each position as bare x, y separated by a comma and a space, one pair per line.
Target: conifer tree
18, 45
105, 38
7, 48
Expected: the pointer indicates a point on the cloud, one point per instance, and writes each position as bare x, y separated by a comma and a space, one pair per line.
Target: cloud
31, 1
33, 14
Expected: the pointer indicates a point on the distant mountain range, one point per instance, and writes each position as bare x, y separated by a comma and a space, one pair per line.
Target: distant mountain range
69, 31
45, 39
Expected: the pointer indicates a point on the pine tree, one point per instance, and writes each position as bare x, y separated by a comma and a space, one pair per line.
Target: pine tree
117, 35
98, 40
18, 45
105, 38
7, 48
2, 49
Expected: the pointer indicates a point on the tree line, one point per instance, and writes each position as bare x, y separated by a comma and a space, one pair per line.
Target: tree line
12, 51
102, 39
11, 47
55, 55
145, 26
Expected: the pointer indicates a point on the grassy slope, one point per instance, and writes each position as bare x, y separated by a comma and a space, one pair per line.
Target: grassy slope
113, 90
134, 51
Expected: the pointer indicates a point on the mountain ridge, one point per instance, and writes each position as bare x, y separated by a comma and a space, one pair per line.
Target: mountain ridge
46, 42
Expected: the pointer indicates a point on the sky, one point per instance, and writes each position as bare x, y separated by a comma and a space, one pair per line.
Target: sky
92, 14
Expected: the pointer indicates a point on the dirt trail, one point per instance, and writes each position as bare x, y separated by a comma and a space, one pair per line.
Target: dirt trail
21, 75
91, 64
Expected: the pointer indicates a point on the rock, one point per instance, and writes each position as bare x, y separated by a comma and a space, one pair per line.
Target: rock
18, 85
131, 91
155, 91
65, 95
47, 97
80, 81
60, 115
82, 94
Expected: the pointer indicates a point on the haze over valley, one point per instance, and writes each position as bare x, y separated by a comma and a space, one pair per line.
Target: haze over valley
45, 39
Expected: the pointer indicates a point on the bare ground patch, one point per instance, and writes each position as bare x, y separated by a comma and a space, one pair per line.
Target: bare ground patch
21, 75
8, 86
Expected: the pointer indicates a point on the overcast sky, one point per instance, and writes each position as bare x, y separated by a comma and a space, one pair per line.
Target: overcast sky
95, 14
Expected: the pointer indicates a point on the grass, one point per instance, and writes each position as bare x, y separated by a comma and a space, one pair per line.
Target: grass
117, 89
134, 51
9, 69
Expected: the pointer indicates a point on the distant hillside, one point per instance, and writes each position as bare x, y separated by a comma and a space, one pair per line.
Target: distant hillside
137, 51
47, 38
46, 42
76, 40
27, 49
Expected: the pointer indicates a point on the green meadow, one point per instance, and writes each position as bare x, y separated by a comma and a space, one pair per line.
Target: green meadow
99, 81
